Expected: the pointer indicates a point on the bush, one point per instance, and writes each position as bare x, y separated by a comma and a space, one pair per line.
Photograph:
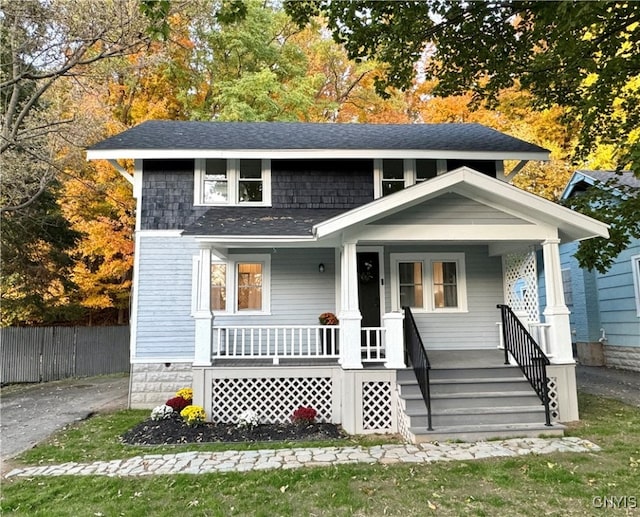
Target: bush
193, 415
185, 393
304, 415
178, 403
248, 419
162, 412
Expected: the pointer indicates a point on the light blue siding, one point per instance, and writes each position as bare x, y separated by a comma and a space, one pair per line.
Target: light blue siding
164, 326
618, 311
299, 292
451, 209
473, 329
604, 301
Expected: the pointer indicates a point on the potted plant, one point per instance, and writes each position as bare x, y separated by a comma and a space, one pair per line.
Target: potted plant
328, 318
326, 336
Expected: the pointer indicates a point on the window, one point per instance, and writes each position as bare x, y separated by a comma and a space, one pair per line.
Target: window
635, 267
232, 182
429, 282
249, 287
241, 285
218, 287
410, 284
567, 286
426, 169
445, 285
393, 175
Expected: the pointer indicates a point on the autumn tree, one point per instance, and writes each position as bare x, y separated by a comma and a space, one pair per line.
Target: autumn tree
581, 56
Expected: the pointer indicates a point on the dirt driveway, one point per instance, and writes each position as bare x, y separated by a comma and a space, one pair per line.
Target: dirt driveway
623, 385
31, 413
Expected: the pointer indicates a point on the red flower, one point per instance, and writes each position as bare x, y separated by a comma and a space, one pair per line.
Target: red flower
304, 415
178, 403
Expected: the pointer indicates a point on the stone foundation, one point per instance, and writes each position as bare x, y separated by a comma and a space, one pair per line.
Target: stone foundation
623, 357
153, 384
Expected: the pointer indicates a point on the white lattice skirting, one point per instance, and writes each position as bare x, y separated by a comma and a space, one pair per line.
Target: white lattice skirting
274, 399
377, 414
554, 403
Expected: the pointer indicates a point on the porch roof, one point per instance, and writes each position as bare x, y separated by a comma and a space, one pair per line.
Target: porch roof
260, 221
189, 139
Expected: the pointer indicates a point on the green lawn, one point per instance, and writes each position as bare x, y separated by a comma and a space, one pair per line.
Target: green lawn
560, 484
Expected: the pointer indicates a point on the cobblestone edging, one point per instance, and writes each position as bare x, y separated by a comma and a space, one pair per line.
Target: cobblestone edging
242, 461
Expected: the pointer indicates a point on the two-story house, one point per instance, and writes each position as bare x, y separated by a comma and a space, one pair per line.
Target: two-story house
247, 232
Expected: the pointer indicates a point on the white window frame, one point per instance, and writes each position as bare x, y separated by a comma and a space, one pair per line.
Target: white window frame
232, 283
409, 165
233, 181
427, 260
635, 269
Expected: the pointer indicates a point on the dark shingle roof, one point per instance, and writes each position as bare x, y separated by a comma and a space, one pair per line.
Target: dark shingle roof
179, 135
621, 178
260, 221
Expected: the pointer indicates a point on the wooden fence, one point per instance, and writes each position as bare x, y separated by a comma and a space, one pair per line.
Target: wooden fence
39, 354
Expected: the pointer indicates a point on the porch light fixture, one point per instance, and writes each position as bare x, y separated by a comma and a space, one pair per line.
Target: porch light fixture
321, 268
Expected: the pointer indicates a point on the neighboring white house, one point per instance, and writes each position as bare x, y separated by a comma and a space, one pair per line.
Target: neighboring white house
605, 307
247, 232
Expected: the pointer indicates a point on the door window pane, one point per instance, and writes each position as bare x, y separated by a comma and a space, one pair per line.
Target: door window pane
215, 182
218, 287
410, 279
445, 285
250, 286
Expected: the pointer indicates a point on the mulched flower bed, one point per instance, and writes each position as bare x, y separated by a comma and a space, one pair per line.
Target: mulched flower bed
175, 431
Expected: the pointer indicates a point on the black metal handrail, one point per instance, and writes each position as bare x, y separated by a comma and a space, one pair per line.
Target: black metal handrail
419, 360
526, 352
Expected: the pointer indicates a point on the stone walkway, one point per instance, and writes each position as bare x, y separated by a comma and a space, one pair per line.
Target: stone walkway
242, 461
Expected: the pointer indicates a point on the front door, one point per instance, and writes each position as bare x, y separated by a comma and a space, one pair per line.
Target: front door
369, 288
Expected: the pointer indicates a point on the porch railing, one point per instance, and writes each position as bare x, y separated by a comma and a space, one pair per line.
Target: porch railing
276, 342
532, 361
418, 358
372, 344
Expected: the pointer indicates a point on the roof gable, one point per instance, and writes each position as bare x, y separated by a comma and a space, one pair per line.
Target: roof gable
160, 139
450, 208
476, 186
583, 179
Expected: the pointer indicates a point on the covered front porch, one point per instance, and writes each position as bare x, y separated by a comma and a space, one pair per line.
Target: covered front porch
452, 249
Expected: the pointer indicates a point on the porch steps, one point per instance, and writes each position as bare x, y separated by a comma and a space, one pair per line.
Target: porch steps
473, 403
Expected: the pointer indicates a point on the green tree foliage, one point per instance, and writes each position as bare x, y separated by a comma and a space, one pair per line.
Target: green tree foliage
36, 263
616, 204
581, 56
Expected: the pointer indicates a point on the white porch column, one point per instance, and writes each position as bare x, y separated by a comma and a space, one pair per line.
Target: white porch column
350, 317
201, 308
556, 312
394, 340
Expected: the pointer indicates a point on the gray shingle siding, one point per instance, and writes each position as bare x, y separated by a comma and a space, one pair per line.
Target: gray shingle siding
167, 195
321, 184
168, 188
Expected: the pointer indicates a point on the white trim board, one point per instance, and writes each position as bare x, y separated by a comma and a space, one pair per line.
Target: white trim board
295, 154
